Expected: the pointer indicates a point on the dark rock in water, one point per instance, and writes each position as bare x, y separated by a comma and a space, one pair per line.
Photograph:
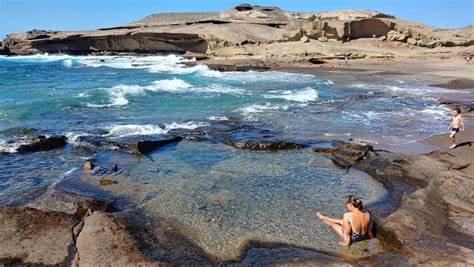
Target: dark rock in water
147, 146
268, 144
369, 95
325, 150
92, 144
114, 168
246, 136
132, 145
354, 153
31, 237
465, 105
42, 143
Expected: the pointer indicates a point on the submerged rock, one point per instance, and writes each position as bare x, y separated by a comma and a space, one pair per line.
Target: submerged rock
42, 143
251, 137
132, 145
93, 144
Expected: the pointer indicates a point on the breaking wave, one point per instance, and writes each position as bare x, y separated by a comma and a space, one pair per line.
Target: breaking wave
306, 95
151, 129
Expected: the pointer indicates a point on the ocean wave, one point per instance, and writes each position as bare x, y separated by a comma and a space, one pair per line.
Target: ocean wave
257, 108
306, 95
151, 129
118, 93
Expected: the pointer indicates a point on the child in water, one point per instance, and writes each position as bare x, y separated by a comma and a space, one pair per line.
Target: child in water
456, 126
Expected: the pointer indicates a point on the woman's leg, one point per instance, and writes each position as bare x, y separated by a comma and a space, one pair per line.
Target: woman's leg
335, 224
337, 228
328, 220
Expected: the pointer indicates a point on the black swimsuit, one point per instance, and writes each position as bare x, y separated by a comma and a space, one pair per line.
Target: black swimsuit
356, 237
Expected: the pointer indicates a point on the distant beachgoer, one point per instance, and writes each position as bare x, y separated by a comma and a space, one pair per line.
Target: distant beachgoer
355, 226
346, 61
468, 59
456, 126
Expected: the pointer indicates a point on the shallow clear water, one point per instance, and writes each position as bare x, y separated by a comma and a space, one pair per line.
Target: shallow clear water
221, 193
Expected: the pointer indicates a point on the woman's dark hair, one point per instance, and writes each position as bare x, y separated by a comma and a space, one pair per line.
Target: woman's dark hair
355, 201
458, 109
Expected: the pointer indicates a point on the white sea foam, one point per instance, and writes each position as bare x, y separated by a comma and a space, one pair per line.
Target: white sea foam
151, 129
118, 93
68, 63
218, 118
306, 95
256, 108
6, 147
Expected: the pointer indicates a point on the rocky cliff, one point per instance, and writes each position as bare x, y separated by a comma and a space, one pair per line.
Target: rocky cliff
243, 24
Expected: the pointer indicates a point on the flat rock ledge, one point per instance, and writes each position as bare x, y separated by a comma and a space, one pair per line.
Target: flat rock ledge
434, 224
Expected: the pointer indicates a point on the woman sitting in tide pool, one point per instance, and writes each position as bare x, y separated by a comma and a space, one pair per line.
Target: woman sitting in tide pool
356, 225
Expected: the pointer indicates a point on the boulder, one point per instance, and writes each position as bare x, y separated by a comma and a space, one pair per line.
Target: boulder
354, 153
42, 143
145, 146
36, 238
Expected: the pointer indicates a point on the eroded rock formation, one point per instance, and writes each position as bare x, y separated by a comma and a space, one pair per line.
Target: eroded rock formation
244, 24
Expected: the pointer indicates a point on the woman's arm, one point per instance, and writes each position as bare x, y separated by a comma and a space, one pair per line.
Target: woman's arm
346, 239
370, 231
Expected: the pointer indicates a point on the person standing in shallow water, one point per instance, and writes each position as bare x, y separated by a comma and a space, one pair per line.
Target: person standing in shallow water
456, 126
355, 226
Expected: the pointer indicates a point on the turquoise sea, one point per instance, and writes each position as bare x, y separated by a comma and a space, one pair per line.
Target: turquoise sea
220, 192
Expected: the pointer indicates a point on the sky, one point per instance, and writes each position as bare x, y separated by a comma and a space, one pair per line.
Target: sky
22, 15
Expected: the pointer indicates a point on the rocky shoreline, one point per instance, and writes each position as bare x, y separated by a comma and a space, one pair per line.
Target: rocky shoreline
431, 222
425, 219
